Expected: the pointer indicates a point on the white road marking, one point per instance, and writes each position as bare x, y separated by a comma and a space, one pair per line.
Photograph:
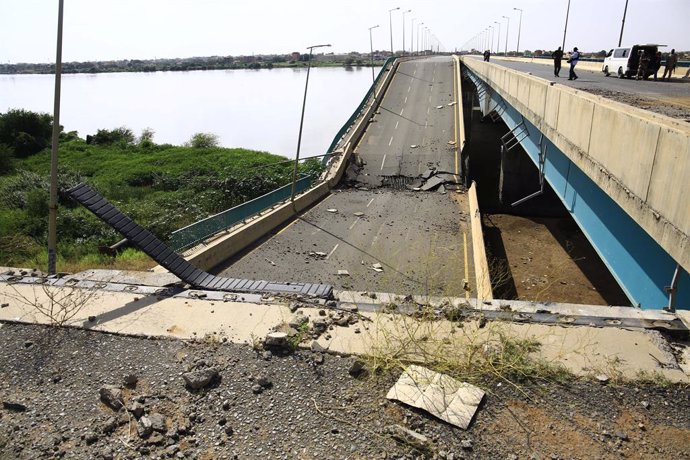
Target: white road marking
433, 78
427, 111
426, 124
401, 112
369, 203
405, 99
396, 124
353, 223
390, 141
384, 160
409, 88
332, 251
316, 231
415, 72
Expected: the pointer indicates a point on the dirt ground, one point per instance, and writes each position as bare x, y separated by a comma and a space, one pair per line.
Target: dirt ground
310, 408
674, 107
546, 259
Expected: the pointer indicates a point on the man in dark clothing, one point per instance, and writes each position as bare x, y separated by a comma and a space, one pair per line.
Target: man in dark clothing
487, 55
557, 56
574, 58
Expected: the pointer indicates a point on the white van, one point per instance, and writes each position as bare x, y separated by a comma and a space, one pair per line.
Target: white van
624, 61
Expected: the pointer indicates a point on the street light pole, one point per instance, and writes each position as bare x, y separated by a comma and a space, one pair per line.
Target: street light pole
565, 30
507, 32
498, 40
371, 45
403, 30
412, 36
517, 51
491, 39
52, 207
301, 125
620, 40
390, 21
418, 26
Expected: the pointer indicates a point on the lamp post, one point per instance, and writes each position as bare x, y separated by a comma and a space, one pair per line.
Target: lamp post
498, 40
301, 125
620, 40
491, 39
507, 32
52, 207
418, 26
412, 36
517, 51
390, 21
565, 30
403, 29
371, 45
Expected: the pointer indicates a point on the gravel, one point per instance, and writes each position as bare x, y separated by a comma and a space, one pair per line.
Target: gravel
304, 410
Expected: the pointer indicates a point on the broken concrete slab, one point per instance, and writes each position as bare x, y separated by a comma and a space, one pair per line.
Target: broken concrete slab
428, 173
409, 437
440, 395
343, 273
433, 183
415, 185
358, 214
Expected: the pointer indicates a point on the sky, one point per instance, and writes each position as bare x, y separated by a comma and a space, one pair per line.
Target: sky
147, 29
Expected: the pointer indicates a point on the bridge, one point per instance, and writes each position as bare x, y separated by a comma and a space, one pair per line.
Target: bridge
372, 225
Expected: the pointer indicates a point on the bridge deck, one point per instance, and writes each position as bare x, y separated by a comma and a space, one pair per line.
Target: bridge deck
417, 237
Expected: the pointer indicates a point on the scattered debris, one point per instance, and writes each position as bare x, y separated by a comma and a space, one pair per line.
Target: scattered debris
439, 106
414, 146
441, 395
270, 261
377, 267
602, 378
14, 406
433, 183
332, 210
451, 104
451, 142
343, 273
409, 437
111, 395
298, 320
357, 369
200, 378
359, 214
130, 380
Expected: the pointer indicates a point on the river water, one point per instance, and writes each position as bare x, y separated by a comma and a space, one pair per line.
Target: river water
255, 109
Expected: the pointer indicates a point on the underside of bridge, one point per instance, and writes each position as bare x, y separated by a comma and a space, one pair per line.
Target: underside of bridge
533, 176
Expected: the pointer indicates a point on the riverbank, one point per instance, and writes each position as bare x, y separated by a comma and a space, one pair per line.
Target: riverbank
162, 187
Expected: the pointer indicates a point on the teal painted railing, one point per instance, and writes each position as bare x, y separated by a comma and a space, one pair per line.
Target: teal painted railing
358, 110
197, 232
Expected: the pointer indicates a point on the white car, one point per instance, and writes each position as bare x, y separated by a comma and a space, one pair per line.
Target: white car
624, 61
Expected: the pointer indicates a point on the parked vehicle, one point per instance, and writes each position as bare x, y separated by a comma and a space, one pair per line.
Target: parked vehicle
624, 61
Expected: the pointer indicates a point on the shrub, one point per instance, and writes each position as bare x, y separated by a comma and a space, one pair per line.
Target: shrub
5, 159
146, 138
203, 141
122, 137
25, 132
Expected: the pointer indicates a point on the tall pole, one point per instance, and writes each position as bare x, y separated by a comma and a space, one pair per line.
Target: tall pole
498, 40
491, 39
565, 30
301, 125
620, 40
517, 51
412, 36
418, 26
52, 208
390, 21
371, 45
403, 30
507, 32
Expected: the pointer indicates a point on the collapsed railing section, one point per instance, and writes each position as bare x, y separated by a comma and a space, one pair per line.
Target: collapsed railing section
197, 232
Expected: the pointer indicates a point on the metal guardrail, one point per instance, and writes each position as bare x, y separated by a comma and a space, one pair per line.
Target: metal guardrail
358, 110
197, 232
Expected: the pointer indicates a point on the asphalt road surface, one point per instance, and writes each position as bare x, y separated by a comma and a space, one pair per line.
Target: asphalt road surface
676, 91
421, 240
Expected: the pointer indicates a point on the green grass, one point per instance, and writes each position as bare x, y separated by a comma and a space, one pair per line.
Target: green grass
162, 187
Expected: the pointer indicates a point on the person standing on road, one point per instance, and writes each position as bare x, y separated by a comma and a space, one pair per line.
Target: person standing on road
557, 56
643, 65
656, 64
671, 61
487, 55
574, 57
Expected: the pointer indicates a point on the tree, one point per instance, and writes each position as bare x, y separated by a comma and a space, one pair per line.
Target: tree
203, 141
146, 138
349, 61
121, 136
25, 132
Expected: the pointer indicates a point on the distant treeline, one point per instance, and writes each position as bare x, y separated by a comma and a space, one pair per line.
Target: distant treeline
196, 63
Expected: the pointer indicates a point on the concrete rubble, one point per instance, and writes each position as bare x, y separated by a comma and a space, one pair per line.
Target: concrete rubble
442, 396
